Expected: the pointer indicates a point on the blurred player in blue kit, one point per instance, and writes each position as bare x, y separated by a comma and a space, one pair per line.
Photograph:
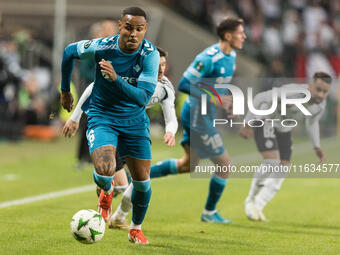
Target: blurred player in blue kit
216, 64
126, 77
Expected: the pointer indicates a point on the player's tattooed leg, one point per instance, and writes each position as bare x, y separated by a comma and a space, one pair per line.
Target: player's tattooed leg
104, 160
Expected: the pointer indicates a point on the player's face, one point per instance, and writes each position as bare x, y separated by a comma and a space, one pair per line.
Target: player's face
319, 90
161, 69
237, 38
132, 31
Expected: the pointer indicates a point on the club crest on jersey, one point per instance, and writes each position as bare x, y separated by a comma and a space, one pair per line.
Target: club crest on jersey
154, 100
137, 68
269, 144
87, 44
199, 66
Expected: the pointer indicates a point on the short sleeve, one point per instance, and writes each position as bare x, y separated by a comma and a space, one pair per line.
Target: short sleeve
199, 68
87, 48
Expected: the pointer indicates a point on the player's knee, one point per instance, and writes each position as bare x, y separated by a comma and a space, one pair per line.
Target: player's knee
274, 183
142, 186
105, 168
126, 198
270, 166
104, 160
183, 165
120, 177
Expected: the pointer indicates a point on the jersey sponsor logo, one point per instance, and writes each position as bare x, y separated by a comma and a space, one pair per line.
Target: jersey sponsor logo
87, 44
131, 80
222, 71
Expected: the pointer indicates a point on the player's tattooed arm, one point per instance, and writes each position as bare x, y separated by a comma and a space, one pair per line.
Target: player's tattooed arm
104, 160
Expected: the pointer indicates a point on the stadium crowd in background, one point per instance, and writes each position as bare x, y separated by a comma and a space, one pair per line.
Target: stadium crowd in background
29, 102
27, 95
293, 38
287, 36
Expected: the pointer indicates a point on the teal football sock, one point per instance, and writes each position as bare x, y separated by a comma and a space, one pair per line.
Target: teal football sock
216, 188
140, 199
164, 168
103, 182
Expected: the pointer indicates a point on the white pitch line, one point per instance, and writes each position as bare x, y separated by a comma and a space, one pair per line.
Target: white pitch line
299, 149
46, 196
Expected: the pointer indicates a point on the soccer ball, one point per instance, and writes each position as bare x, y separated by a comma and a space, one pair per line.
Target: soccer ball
87, 226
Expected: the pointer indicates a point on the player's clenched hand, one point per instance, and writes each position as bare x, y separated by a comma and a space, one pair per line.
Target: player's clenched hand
66, 100
321, 154
70, 128
246, 132
108, 69
169, 139
227, 103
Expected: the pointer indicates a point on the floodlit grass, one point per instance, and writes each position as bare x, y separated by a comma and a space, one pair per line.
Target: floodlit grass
304, 216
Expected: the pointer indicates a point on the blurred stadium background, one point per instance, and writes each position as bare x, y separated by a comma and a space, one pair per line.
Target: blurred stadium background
286, 39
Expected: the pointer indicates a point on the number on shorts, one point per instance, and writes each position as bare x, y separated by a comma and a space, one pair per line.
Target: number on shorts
91, 137
215, 141
268, 131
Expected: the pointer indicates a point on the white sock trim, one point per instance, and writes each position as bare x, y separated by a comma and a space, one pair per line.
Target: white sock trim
109, 191
134, 226
121, 189
209, 213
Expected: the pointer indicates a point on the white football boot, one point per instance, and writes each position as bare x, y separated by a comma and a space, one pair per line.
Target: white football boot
252, 212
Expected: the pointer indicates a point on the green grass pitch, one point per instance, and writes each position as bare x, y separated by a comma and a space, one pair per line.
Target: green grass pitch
304, 216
